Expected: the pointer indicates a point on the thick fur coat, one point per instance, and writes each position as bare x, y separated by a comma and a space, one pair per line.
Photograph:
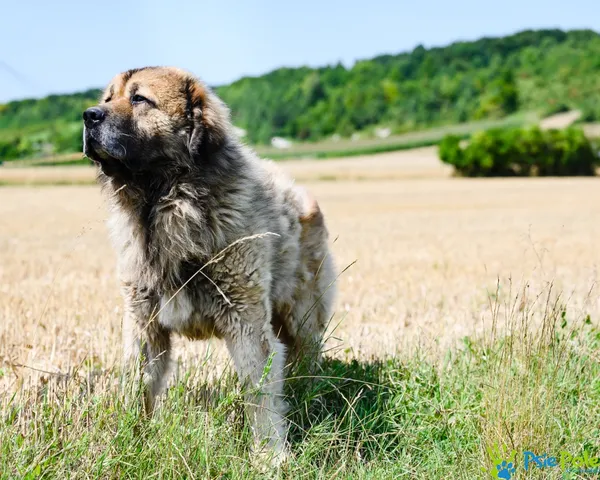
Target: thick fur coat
211, 240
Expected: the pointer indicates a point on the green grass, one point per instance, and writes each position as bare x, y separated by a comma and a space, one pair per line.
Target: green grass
530, 388
63, 160
349, 151
47, 183
365, 146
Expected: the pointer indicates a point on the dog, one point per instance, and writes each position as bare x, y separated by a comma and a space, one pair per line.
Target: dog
211, 240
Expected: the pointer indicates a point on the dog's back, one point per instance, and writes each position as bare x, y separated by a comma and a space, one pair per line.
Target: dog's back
303, 301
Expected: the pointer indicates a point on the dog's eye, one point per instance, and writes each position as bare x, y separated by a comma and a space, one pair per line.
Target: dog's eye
139, 99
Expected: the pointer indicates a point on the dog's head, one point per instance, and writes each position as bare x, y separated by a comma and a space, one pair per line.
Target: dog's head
151, 116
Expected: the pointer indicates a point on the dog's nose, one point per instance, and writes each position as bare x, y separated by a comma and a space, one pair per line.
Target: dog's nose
92, 116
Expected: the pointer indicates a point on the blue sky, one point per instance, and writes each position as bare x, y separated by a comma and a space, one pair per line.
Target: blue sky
67, 45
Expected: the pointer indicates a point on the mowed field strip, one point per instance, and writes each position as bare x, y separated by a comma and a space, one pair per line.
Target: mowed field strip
429, 252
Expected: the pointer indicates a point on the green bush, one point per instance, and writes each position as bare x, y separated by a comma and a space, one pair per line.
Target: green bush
9, 149
521, 152
590, 112
68, 139
15, 148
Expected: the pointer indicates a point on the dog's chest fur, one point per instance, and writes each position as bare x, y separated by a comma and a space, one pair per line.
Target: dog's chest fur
161, 248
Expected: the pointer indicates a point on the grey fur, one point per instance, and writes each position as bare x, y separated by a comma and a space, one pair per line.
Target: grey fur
195, 209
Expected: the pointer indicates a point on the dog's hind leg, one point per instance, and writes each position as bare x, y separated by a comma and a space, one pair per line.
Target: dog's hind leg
310, 316
259, 359
313, 300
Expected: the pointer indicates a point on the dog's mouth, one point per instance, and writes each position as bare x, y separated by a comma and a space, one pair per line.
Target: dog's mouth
95, 152
102, 157
102, 152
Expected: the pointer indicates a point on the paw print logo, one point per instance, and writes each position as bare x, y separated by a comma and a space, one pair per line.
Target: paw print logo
502, 463
505, 470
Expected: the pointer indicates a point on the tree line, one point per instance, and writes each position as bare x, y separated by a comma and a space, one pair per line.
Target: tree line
545, 71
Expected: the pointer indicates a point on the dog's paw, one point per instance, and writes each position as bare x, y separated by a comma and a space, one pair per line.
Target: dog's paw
268, 459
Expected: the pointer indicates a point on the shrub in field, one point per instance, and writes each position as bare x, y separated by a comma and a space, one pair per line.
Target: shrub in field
9, 149
521, 152
15, 148
68, 140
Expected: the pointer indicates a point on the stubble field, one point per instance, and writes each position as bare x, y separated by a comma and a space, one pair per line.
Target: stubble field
434, 259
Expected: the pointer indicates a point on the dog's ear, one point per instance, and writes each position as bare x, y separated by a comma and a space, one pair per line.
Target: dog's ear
208, 117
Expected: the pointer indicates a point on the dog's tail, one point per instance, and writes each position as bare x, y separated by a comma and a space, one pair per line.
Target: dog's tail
314, 231
310, 213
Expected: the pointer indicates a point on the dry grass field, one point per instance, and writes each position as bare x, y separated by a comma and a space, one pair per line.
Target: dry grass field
429, 250
461, 332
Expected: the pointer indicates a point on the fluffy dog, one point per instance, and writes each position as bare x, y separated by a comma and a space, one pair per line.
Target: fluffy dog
211, 240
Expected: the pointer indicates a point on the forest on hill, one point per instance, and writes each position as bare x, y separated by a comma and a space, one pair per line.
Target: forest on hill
545, 71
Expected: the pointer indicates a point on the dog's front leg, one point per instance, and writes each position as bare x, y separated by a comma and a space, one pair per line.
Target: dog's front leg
259, 359
146, 343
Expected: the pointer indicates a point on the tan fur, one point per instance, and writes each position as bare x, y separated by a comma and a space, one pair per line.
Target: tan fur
211, 240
